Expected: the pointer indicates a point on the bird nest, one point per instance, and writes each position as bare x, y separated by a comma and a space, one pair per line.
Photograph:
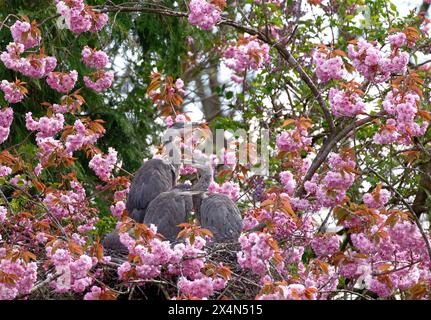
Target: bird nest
242, 285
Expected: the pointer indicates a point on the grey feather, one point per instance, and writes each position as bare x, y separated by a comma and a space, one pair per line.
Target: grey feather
167, 211
138, 215
111, 242
154, 177
220, 215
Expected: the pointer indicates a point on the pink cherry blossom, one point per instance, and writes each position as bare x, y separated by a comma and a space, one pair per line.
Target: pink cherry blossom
117, 209
229, 188
103, 165
24, 275
12, 57
326, 244
6, 118
46, 126
203, 14
345, 104
288, 182
293, 140
5, 171
249, 53
99, 81
62, 81
3, 214
26, 33
328, 68
398, 39
14, 92
93, 58
376, 200
255, 252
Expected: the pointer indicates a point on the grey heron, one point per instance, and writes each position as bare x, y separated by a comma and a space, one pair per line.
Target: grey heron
215, 212
154, 198
155, 176
168, 210
158, 175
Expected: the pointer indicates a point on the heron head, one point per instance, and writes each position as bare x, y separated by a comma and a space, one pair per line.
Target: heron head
204, 174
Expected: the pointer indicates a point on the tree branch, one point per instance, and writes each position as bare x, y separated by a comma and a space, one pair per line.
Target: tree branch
409, 207
290, 59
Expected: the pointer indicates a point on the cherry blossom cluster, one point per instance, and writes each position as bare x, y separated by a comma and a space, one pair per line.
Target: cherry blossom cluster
169, 120
45, 126
118, 208
5, 171
388, 133
14, 92
371, 63
99, 80
323, 190
403, 106
325, 245
288, 182
38, 66
6, 118
103, 165
328, 68
256, 252
187, 169
121, 195
20, 276
33, 66
345, 103
80, 137
179, 86
97, 293
229, 188
387, 255
247, 53
95, 59
201, 288
204, 14
186, 259
26, 33
70, 203
79, 17
294, 291
330, 188
73, 272
377, 199
11, 58
293, 140
398, 39
298, 231
229, 158
3, 214
62, 82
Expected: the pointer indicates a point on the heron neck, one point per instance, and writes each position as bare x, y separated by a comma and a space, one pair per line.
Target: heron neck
204, 182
